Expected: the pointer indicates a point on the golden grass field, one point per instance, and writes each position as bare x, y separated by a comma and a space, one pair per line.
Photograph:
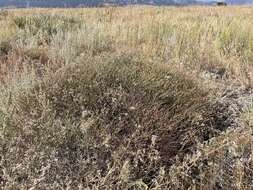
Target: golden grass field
135, 97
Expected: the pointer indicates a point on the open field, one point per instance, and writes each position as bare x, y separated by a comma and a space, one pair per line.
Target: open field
131, 98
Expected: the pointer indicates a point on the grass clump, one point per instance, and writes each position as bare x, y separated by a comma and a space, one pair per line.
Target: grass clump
93, 112
45, 26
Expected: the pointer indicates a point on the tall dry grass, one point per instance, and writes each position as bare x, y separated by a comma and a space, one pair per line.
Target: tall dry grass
126, 98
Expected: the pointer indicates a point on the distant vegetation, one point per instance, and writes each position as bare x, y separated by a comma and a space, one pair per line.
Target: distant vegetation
126, 98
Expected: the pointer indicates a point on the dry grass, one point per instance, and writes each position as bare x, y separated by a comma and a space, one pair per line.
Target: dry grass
126, 98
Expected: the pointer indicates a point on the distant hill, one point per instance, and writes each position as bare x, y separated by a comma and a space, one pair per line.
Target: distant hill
76, 3
241, 2
90, 3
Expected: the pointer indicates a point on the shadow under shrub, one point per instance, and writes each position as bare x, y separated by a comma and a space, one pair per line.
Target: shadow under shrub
5, 47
